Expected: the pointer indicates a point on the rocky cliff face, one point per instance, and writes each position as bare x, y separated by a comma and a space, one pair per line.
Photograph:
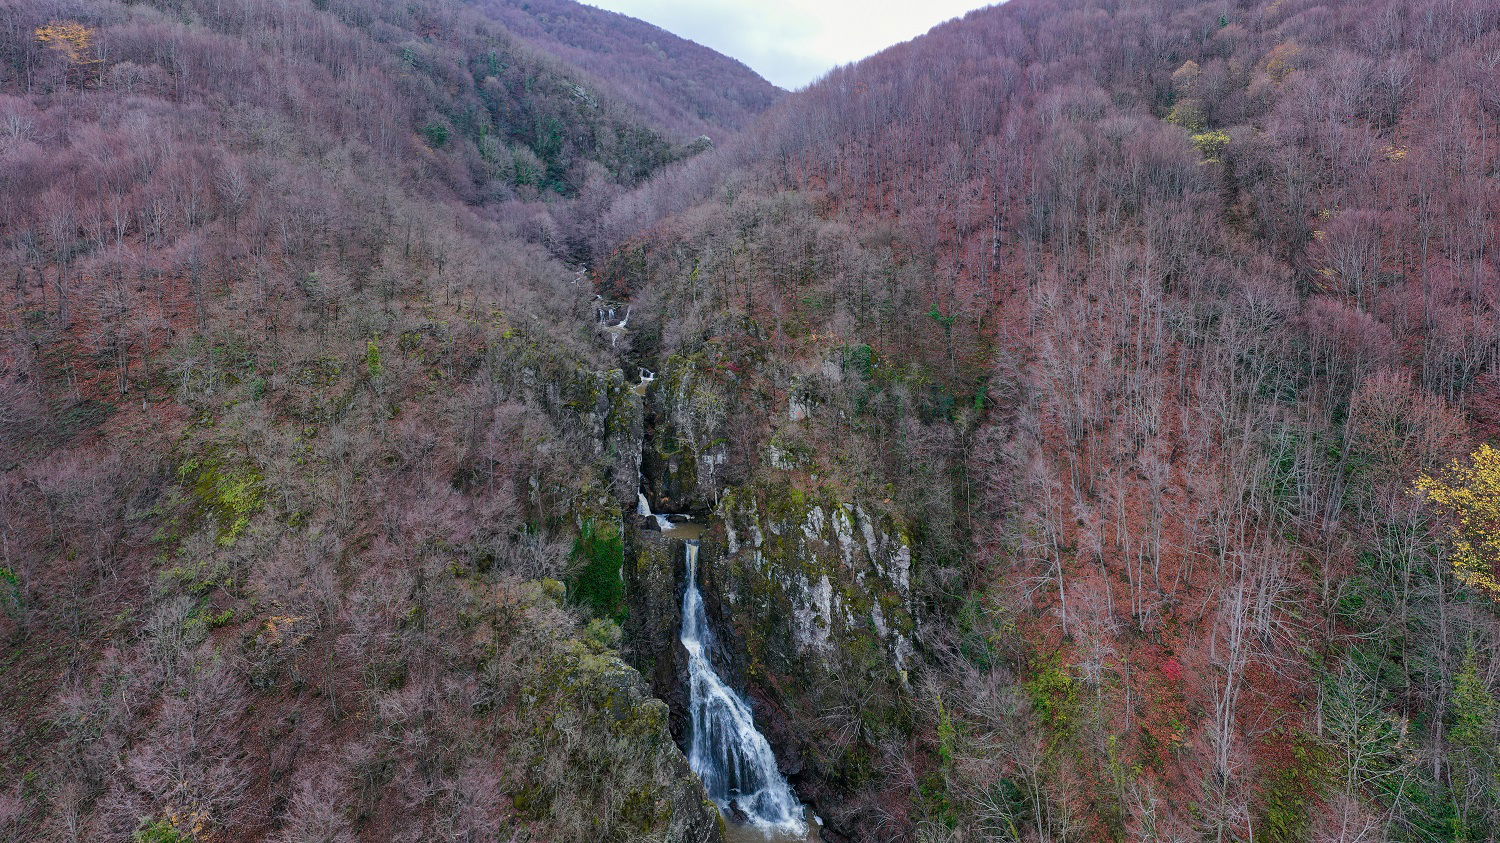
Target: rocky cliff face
654, 582
598, 407
593, 718
830, 572
816, 591
809, 585
688, 456
630, 712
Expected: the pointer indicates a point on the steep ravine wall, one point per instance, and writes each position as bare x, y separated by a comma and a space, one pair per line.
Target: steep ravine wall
807, 586
841, 572
600, 406
654, 577
592, 697
687, 456
592, 715
815, 593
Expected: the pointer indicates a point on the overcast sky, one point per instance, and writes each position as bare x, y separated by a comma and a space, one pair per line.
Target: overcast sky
793, 42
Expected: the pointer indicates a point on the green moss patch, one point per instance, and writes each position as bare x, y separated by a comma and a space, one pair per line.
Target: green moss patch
599, 583
229, 491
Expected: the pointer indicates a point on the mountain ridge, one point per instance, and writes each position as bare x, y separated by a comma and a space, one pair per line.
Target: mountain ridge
709, 90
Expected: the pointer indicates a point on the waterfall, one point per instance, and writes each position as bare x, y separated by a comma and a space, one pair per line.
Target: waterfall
648, 377
643, 509
732, 757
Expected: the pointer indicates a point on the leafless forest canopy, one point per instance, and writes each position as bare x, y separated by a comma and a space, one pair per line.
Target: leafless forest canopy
1133, 324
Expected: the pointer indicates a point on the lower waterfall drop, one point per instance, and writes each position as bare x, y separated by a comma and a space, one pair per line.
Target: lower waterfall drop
731, 756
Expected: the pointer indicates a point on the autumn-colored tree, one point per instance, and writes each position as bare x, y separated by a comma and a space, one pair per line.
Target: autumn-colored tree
1469, 494
74, 41
1282, 60
70, 38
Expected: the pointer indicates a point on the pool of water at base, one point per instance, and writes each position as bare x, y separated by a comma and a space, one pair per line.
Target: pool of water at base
751, 834
684, 530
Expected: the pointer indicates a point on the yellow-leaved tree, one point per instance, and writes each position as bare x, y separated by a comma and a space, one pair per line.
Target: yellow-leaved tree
76, 42
70, 38
1469, 494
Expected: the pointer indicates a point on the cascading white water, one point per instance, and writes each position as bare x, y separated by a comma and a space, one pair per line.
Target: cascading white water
643, 509
731, 756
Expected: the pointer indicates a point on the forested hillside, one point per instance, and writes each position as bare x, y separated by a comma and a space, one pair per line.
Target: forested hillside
677, 82
1140, 321
288, 343
1084, 410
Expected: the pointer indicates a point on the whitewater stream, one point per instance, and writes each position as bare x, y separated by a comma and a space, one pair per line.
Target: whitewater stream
643, 509
728, 753
726, 750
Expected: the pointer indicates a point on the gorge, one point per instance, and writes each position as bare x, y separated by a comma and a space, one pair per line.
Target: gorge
470, 420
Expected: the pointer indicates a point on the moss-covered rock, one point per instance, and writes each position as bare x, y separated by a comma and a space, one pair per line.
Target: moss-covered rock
653, 576
230, 491
688, 456
599, 408
600, 763
838, 569
817, 594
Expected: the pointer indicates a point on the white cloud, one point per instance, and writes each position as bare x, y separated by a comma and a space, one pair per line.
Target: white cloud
793, 42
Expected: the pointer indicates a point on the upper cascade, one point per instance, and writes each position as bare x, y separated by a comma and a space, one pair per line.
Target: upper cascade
643, 509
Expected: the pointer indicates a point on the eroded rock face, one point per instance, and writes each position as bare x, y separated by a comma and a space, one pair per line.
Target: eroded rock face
593, 715
815, 594
653, 578
600, 410
810, 599
689, 456
807, 585
840, 573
